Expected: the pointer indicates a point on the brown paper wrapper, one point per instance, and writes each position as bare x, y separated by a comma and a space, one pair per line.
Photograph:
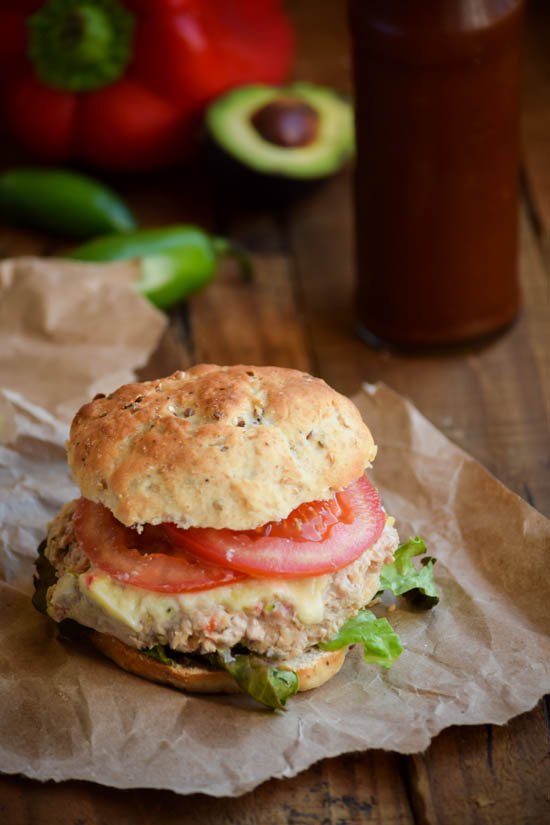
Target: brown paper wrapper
481, 656
69, 330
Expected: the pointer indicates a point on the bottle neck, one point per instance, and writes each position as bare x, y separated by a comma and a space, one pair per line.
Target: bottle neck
435, 31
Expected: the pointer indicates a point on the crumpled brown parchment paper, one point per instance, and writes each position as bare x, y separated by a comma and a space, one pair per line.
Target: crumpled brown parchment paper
482, 656
69, 330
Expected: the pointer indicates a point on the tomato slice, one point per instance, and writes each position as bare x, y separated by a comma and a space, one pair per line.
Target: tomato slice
317, 537
147, 559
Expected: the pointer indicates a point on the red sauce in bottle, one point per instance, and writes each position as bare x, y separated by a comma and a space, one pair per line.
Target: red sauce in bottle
437, 88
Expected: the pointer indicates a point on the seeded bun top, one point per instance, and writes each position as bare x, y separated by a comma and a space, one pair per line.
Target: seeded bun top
217, 446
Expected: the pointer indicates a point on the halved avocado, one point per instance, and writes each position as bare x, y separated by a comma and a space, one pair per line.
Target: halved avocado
300, 132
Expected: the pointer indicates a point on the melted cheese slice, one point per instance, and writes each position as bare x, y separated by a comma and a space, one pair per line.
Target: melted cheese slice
134, 606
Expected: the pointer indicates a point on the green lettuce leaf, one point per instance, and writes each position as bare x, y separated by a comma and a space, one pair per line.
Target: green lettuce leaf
381, 644
404, 579
44, 578
267, 684
158, 652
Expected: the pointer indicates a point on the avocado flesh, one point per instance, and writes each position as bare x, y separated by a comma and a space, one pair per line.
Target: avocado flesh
229, 122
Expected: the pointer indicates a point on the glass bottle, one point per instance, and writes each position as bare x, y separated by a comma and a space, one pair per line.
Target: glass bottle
437, 94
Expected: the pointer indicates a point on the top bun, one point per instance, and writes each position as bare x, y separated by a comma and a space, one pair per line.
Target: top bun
217, 447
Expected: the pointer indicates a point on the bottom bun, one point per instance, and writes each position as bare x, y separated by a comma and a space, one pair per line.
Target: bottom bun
313, 668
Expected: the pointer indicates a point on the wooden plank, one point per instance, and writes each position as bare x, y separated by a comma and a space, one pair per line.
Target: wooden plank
14, 241
347, 790
256, 323
472, 775
323, 53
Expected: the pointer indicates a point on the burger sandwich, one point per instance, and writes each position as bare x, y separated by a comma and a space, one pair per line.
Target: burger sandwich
227, 538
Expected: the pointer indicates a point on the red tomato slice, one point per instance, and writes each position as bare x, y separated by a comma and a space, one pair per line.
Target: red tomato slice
144, 560
318, 537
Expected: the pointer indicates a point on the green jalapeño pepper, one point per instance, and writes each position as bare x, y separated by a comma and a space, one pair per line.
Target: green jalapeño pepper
62, 201
175, 261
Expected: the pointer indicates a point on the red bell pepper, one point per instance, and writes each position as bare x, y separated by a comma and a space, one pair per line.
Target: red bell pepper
121, 84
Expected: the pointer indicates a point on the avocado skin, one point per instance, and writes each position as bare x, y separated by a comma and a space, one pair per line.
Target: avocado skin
249, 188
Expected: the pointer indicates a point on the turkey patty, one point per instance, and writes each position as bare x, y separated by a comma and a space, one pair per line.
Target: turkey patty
273, 617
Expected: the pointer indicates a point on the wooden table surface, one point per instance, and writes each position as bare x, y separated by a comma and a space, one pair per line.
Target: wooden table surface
493, 400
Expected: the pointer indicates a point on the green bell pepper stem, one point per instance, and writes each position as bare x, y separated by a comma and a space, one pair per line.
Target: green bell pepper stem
62, 201
176, 261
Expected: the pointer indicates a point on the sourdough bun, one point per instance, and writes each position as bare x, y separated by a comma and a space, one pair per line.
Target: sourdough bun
231, 447
313, 668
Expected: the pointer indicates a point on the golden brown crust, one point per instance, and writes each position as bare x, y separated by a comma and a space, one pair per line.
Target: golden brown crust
219, 447
316, 667
313, 669
192, 679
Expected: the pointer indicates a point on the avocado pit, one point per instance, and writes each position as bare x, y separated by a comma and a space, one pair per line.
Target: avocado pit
287, 122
